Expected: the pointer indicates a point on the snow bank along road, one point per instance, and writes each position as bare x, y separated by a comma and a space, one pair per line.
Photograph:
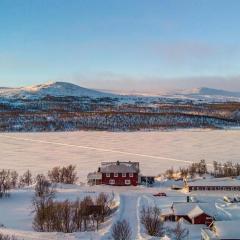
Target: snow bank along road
128, 211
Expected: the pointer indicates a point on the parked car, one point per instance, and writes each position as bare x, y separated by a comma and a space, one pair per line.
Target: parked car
160, 194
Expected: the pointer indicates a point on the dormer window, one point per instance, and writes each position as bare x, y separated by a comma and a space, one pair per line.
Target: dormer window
107, 174
115, 174
130, 174
124, 175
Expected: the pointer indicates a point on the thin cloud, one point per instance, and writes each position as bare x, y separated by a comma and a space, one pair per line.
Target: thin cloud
153, 84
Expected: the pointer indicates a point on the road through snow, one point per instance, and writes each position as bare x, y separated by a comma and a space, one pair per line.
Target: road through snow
129, 207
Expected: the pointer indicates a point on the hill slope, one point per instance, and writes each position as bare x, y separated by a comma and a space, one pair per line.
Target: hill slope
207, 94
56, 89
216, 92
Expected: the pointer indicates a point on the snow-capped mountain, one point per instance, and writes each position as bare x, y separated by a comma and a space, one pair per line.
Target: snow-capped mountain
214, 92
64, 89
206, 94
56, 89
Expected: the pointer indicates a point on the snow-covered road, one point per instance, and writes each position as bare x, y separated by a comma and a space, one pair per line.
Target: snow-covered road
128, 210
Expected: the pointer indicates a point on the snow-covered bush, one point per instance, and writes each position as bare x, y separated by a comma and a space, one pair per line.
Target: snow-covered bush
121, 230
43, 188
8, 181
67, 175
179, 232
106, 203
151, 220
26, 179
7, 237
67, 217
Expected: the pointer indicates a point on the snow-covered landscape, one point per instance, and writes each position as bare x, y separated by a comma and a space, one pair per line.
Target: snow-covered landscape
158, 135
155, 151
17, 216
119, 120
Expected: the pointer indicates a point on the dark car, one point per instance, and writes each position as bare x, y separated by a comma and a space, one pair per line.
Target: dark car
160, 194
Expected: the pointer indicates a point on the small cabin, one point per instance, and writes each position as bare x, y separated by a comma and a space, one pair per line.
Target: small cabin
194, 213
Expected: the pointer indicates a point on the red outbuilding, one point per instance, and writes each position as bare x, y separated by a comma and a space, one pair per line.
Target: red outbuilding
194, 213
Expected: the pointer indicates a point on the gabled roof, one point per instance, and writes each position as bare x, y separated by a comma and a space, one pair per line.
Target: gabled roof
94, 175
192, 209
120, 167
196, 211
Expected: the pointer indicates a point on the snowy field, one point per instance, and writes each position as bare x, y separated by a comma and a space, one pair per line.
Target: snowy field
16, 211
155, 151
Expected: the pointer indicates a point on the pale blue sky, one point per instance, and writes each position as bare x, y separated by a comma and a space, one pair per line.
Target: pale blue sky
127, 44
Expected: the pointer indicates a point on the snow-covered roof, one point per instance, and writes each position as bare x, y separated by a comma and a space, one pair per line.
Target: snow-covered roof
196, 211
225, 182
192, 209
120, 167
94, 175
227, 229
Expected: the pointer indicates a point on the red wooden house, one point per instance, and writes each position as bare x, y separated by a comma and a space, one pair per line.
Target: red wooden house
120, 173
192, 212
195, 213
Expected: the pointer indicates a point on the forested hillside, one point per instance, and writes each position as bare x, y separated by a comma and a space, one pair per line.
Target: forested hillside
114, 114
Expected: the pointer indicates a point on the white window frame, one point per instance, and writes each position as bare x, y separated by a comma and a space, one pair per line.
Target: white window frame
112, 181
127, 182
108, 175
131, 175
124, 175
115, 174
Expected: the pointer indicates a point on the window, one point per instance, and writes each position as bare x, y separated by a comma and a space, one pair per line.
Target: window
115, 174
130, 174
112, 181
107, 174
123, 174
127, 182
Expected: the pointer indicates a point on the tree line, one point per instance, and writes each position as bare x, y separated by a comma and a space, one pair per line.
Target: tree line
227, 169
10, 179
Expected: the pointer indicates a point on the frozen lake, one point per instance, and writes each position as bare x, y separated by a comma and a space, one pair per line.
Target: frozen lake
155, 151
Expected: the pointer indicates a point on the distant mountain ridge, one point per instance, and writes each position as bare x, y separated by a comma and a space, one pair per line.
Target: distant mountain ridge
57, 89
216, 92
65, 89
61, 106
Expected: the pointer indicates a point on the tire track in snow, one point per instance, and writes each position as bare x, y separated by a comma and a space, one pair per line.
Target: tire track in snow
128, 211
99, 149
